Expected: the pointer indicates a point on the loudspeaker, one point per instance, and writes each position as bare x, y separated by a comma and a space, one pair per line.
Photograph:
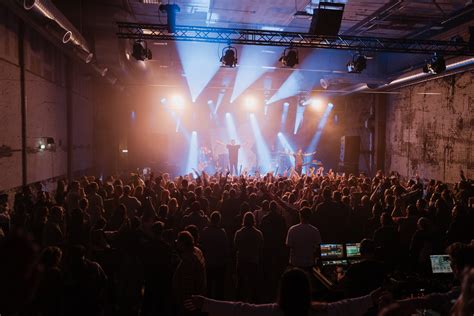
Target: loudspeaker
327, 19
349, 154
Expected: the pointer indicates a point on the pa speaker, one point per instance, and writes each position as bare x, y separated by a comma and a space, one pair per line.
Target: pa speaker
327, 19
349, 154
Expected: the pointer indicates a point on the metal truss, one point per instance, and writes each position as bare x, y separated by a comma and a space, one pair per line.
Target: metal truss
140, 31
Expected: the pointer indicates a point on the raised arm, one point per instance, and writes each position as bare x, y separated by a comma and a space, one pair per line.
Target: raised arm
218, 308
220, 143
309, 154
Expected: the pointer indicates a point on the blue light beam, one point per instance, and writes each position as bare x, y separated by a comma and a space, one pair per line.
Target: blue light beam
299, 80
299, 117
264, 160
284, 116
286, 145
193, 153
317, 136
253, 63
200, 64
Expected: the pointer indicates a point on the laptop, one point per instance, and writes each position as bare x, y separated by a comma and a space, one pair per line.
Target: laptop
332, 251
440, 264
353, 250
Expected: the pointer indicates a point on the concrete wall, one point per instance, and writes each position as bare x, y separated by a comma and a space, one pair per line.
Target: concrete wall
10, 118
430, 128
46, 108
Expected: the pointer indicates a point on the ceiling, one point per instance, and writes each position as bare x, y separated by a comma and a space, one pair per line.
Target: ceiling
379, 18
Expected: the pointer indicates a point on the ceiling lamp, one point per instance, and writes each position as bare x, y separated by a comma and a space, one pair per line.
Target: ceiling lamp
435, 65
229, 57
357, 64
289, 58
141, 51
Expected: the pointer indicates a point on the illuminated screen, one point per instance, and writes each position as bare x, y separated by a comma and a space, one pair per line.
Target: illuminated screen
440, 264
353, 250
332, 251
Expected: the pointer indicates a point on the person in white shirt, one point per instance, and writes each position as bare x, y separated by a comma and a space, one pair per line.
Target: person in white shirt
303, 240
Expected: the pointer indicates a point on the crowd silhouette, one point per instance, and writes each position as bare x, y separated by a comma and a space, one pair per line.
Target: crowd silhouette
230, 245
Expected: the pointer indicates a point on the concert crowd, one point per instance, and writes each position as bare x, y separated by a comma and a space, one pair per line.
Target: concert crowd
236, 245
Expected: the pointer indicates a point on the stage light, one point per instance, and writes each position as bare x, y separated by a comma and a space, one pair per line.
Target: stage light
435, 65
229, 56
163, 100
178, 101
42, 147
141, 51
209, 102
357, 64
316, 104
124, 151
250, 103
289, 58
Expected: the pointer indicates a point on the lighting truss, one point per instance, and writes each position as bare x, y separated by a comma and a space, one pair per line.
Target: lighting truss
158, 32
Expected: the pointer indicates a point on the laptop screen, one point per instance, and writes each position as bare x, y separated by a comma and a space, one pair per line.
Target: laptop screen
440, 264
332, 251
353, 250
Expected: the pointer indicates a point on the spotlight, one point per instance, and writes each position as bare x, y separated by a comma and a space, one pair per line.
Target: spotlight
357, 64
141, 51
42, 147
316, 104
435, 65
209, 102
250, 103
229, 56
289, 57
178, 101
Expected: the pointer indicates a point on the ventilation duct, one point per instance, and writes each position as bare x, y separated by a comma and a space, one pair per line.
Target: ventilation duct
48, 10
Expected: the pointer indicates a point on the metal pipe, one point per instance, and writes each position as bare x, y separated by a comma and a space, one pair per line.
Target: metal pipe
419, 77
99, 70
47, 9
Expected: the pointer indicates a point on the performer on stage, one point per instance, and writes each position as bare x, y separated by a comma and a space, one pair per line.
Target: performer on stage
299, 159
233, 150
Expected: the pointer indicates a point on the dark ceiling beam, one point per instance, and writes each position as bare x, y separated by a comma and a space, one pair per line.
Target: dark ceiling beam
141, 31
459, 17
381, 13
